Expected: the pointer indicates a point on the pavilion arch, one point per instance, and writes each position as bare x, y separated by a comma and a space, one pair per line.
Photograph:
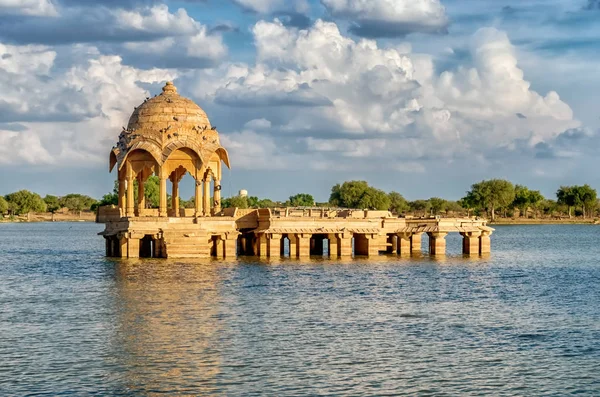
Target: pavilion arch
147, 147
173, 146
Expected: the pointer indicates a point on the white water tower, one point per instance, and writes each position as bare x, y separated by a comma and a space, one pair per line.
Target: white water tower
243, 193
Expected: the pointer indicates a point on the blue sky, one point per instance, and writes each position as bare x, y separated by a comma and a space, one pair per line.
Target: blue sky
424, 97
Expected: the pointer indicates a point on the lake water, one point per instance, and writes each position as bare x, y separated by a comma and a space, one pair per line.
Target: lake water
523, 322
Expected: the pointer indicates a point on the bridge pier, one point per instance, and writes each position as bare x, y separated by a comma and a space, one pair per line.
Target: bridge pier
437, 243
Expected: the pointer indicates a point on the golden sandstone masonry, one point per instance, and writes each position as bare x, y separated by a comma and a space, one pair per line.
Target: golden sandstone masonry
170, 136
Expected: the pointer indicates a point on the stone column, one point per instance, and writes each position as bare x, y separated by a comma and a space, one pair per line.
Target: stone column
130, 196
274, 245
206, 208
485, 243
293, 245
471, 243
437, 243
261, 245
404, 244
303, 245
344, 244
229, 246
175, 196
333, 246
122, 197
141, 198
198, 198
217, 196
415, 243
133, 246
391, 244
162, 191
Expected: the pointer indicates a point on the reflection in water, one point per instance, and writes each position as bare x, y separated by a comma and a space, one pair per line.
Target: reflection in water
168, 327
523, 321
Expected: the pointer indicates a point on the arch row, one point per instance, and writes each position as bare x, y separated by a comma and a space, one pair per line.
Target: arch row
143, 159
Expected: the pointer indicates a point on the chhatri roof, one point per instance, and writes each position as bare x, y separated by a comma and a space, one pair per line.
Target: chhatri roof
166, 123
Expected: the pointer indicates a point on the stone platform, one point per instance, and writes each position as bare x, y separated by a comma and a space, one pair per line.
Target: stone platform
288, 231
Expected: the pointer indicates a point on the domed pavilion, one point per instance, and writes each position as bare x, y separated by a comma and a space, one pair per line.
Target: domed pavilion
169, 136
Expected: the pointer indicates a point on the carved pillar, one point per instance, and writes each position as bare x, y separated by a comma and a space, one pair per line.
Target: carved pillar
230, 242
273, 245
261, 245
162, 207
303, 245
415, 243
344, 244
141, 204
175, 195
293, 245
404, 245
206, 208
485, 243
217, 196
471, 243
122, 197
130, 195
198, 199
333, 246
437, 243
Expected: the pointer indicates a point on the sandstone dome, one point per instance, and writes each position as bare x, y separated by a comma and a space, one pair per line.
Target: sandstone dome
165, 123
168, 109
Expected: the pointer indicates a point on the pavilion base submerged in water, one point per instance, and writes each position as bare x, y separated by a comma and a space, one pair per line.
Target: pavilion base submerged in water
170, 136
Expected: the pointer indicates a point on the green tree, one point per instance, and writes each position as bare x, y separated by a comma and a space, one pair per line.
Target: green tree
525, 198
52, 203
3, 206
491, 195
76, 202
437, 205
588, 199
358, 194
152, 192
235, 202
302, 200
398, 203
23, 202
567, 195
419, 207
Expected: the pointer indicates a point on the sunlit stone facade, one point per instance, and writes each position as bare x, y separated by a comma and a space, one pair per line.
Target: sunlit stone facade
170, 136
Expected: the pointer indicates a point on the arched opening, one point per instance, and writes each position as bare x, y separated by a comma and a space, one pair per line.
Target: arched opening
138, 166
186, 194
147, 247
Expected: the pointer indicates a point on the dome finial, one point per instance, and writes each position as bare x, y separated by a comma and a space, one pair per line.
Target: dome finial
169, 87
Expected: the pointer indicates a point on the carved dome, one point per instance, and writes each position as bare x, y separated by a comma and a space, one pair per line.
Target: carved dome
166, 123
168, 109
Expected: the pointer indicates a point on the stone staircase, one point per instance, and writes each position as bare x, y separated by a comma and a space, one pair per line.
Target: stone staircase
187, 245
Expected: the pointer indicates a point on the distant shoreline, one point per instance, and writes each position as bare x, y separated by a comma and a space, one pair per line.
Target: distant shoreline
522, 222
83, 216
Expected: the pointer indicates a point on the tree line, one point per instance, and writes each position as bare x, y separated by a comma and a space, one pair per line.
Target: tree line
24, 201
488, 198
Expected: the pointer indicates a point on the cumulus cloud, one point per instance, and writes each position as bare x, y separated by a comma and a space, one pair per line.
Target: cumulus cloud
28, 7
271, 6
364, 102
390, 18
148, 35
67, 116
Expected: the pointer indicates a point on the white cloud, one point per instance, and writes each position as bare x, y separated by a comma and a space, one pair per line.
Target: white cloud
70, 116
28, 7
380, 18
270, 6
372, 107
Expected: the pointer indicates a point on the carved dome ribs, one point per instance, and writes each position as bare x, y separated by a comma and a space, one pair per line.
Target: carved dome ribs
164, 122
